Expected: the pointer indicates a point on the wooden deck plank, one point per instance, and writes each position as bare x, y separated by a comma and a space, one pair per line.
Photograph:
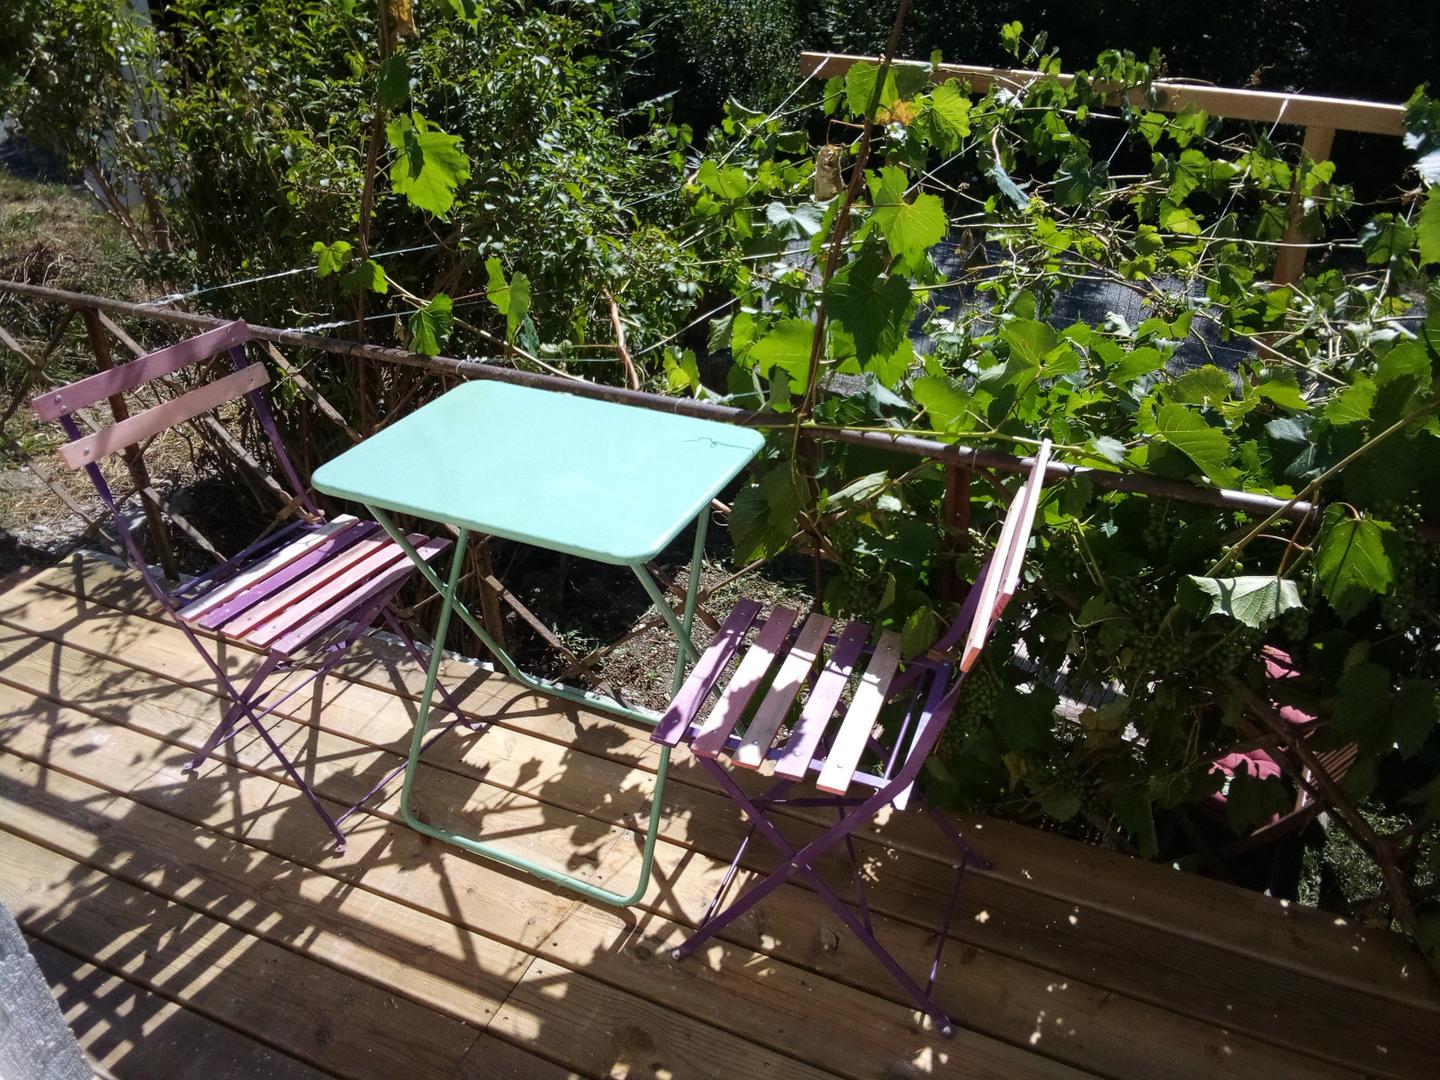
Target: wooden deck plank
748, 995
966, 987
130, 1033
1305, 941
427, 959
306, 1009
1118, 955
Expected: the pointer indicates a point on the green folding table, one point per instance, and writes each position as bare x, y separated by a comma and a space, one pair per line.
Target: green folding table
611, 483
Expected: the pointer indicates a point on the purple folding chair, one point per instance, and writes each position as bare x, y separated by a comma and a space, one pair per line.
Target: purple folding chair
301, 595
853, 756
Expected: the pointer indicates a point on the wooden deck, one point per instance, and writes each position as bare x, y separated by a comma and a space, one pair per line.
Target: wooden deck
199, 926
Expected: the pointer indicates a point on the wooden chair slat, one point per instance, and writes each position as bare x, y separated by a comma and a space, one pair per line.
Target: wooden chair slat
335, 587
263, 569
328, 557
990, 587
326, 617
709, 740
240, 625
820, 706
707, 670
794, 670
854, 731
137, 428
64, 400
1010, 579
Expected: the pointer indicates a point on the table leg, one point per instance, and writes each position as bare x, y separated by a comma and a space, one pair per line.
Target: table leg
450, 605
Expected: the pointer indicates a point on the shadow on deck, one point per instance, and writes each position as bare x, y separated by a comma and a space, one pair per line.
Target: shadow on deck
200, 924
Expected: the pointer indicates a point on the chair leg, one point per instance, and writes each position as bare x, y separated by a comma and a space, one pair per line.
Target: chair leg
233, 715
800, 862
413, 648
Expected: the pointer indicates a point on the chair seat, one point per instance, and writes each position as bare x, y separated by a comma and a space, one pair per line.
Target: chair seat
826, 684
284, 596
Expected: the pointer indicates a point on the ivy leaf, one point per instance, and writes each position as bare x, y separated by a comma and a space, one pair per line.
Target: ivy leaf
330, 258
909, 228
429, 166
393, 87
1204, 445
1428, 227
511, 299
786, 346
1385, 237
875, 309
1255, 601
1351, 564
430, 325
368, 276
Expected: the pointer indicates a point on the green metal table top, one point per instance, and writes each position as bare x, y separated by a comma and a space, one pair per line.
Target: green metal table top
614, 483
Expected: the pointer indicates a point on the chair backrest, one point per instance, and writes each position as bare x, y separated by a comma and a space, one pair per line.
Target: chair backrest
61, 403
1002, 577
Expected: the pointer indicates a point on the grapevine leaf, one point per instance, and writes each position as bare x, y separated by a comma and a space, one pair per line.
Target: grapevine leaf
511, 299
429, 165
430, 325
802, 221
944, 400
1062, 804
945, 118
922, 628
875, 309
1385, 237
1254, 601
1111, 449
762, 518
1029, 339
1353, 404
368, 275
1429, 228
1361, 697
909, 228
330, 258
861, 490
786, 346
1284, 390
1413, 715
1078, 178
728, 183
1251, 800
1134, 812
1007, 186
1024, 720
393, 89
1204, 445
1351, 564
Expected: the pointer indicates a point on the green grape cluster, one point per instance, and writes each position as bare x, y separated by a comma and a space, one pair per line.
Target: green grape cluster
1067, 774
850, 594
1226, 656
977, 701
1063, 559
1416, 585
1156, 653
1294, 625
1158, 532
